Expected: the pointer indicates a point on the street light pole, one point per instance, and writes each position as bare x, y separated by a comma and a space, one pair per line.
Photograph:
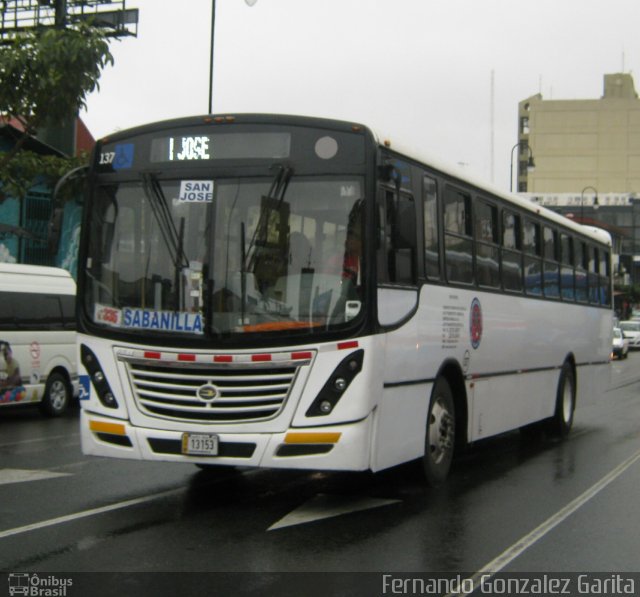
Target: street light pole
213, 34
530, 163
595, 201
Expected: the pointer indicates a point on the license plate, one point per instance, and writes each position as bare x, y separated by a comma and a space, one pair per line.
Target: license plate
199, 444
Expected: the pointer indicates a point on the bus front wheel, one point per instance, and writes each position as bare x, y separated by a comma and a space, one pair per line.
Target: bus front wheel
440, 434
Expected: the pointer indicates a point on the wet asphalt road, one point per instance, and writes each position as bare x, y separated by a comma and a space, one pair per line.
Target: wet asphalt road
537, 506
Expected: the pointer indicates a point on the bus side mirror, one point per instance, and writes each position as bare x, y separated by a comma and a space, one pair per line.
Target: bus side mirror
54, 229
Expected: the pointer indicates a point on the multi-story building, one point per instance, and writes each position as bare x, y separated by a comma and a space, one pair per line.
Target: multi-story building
587, 162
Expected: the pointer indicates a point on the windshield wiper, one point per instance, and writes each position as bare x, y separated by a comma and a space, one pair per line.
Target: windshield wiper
172, 237
278, 189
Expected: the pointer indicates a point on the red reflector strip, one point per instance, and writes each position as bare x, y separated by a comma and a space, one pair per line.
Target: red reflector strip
303, 355
347, 345
222, 358
260, 358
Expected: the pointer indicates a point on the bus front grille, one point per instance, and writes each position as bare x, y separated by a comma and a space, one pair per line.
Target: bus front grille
214, 394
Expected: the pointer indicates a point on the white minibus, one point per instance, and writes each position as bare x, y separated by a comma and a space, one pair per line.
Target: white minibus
37, 337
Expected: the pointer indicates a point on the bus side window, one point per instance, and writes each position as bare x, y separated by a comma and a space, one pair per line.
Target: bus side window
581, 260
405, 241
458, 236
566, 271
398, 218
605, 278
551, 265
594, 264
532, 258
431, 236
511, 252
486, 236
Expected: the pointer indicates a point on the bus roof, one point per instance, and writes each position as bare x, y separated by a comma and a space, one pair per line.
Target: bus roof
417, 154
597, 234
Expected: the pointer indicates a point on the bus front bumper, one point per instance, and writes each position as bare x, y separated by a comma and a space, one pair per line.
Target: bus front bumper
338, 447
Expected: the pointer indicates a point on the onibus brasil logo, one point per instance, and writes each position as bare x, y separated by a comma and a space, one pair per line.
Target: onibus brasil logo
27, 583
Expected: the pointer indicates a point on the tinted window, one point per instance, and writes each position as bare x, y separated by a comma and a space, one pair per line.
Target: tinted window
398, 257
567, 283
511, 231
431, 245
458, 241
551, 267
511, 256
487, 251
31, 311
532, 264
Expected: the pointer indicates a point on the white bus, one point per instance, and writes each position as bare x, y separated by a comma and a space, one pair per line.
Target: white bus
38, 354
294, 292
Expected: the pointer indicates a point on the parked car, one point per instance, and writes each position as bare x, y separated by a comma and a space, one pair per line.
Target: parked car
631, 331
620, 348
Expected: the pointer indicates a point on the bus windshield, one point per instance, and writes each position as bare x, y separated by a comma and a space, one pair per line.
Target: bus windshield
226, 256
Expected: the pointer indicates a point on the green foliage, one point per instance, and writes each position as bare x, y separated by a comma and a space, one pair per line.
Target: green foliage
45, 78
27, 169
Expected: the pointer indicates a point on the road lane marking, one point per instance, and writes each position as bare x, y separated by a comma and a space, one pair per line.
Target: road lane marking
327, 506
520, 546
86, 513
40, 440
18, 475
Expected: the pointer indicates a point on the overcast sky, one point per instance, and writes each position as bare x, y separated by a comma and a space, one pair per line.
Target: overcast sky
416, 71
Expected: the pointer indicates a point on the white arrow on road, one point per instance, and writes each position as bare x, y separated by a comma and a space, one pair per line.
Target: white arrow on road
327, 506
18, 475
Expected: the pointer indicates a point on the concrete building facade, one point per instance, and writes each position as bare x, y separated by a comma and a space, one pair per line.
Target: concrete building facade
576, 143
587, 163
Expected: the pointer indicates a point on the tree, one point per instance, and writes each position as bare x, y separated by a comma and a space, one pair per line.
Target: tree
45, 78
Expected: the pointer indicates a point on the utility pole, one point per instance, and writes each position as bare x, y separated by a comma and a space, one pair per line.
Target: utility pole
61, 13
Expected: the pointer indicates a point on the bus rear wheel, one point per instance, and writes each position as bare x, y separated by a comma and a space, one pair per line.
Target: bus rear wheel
57, 396
440, 434
562, 420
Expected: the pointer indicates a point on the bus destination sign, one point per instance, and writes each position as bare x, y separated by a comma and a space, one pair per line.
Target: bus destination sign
187, 148
220, 146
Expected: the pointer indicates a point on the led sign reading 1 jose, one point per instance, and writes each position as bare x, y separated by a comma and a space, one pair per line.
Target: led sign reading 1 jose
183, 148
220, 146
188, 148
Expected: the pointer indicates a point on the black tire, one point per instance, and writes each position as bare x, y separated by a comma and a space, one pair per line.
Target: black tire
440, 437
562, 420
57, 396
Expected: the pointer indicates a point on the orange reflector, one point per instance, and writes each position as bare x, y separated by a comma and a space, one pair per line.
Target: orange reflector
309, 437
112, 428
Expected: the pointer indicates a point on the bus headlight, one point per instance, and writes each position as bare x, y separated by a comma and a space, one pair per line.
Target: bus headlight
98, 378
336, 385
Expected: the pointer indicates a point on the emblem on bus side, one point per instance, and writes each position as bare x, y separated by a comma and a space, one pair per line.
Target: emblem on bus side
207, 392
475, 323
